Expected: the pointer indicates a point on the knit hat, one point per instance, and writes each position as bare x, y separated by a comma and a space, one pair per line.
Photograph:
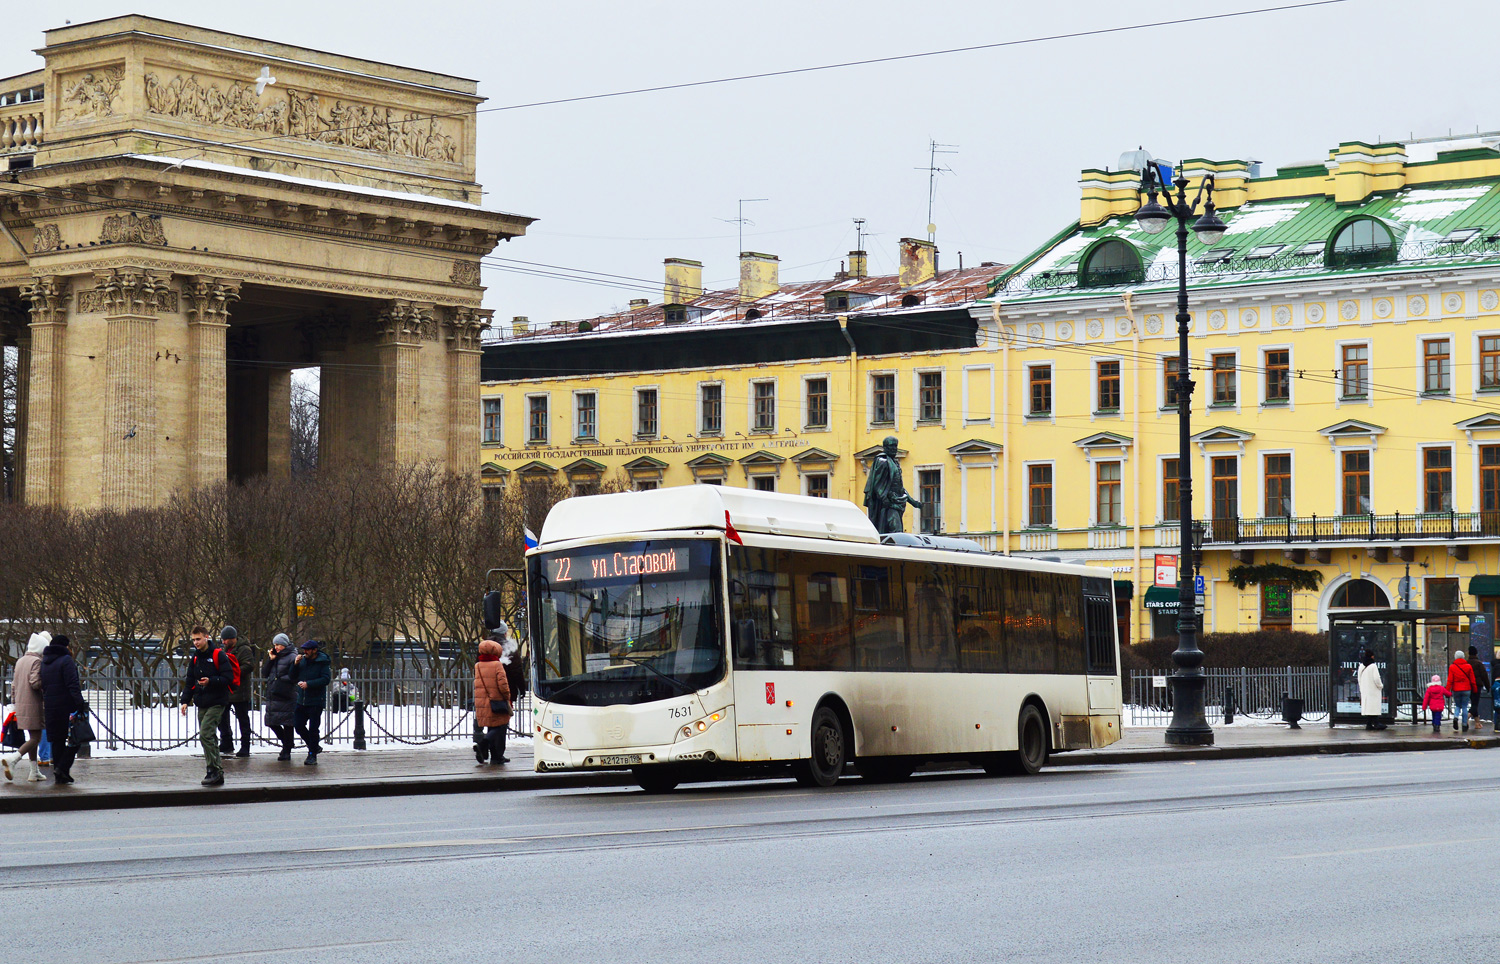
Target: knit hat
281, 639
38, 642
1437, 680
229, 633
310, 644
1458, 654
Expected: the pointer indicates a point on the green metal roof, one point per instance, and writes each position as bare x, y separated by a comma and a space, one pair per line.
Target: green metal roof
1421, 219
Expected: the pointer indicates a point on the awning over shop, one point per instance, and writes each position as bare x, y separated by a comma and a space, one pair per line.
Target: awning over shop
1124, 589
1484, 586
1161, 597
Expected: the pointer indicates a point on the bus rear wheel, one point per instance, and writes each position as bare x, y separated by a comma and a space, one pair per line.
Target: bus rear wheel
1031, 740
826, 764
656, 779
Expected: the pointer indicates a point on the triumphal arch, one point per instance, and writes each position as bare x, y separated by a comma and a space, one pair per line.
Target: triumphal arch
187, 216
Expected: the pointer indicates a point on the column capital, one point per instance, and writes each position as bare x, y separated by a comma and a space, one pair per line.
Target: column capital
406, 322
48, 295
209, 299
464, 327
129, 291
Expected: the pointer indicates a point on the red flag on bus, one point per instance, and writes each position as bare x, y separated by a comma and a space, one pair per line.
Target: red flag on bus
729, 530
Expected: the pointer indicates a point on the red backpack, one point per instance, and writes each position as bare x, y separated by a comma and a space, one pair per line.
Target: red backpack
234, 667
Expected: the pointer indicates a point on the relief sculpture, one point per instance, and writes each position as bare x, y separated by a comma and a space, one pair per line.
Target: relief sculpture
93, 94
47, 239
132, 229
301, 114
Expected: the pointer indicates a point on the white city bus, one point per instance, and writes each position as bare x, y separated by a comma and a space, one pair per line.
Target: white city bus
691, 631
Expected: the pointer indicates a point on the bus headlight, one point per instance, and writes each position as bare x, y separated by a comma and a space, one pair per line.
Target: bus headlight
693, 729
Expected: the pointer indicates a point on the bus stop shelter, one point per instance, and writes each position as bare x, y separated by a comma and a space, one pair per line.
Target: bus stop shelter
1393, 635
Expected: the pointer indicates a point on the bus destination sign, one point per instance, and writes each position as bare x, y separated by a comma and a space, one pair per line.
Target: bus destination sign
610, 565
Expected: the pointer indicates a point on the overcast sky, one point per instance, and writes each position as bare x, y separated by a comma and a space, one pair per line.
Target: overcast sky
620, 184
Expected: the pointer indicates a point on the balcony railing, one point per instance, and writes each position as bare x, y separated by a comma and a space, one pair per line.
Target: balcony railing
1352, 528
20, 120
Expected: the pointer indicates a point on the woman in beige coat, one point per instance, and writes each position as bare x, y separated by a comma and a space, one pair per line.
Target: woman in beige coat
28, 700
490, 685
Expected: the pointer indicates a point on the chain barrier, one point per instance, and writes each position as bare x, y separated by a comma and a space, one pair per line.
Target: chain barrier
370, 718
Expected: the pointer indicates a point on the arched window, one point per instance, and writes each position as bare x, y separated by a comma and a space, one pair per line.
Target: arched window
1360, 242
1359, 594
911, 301
1112, 262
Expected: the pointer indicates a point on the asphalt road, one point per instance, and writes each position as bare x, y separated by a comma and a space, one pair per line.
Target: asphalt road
1354, 858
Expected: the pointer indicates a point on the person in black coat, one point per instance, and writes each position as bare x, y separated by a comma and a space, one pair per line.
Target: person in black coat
62, 696
281, 693
1482, 678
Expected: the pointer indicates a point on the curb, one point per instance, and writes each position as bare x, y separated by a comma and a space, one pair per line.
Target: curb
195, 797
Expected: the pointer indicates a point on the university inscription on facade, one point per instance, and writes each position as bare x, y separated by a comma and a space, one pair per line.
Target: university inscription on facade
597, 452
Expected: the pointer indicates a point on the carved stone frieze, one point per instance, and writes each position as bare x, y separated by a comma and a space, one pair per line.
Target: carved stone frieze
91, 94
49, 300
132, 228
129, 292
298, 113
465, 273
209, 299
48, 238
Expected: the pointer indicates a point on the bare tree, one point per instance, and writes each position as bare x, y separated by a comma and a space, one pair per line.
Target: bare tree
304, 427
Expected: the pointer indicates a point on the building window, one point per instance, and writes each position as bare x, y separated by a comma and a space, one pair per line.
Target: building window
1489, 363
1489, 478
931, 399
536, 423
883, 399
1356, 371
493, 495
817, 403
587, 405
1226, 483
1278, 486
1442, 595
1171, 367
1278, 376
817, 486
930, 493
1362, 242
1359, 594
1275, 605
1113, 262
646, 485
1171, 491
1041, 390
764, 483
1436, 366
1039, 495
711, 409
1226, 388
1437, 480
645, 413
1356, 483
1109, 387
1107, 494
765, 407
491, 407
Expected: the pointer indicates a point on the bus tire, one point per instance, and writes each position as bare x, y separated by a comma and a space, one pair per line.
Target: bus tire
656, 779
1031, 754
829, 742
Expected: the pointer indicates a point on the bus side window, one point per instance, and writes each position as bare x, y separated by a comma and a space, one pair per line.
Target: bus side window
1031, 611
1070, 636
981, 624
930, 617
879, 618
760, 609
823, 613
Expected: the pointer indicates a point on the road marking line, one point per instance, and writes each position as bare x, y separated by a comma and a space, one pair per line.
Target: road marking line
300, 949
1377, 850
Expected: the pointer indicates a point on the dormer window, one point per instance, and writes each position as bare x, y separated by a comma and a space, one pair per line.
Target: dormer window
911, 301
676, 314
836, 301
1362, 241
1111, 262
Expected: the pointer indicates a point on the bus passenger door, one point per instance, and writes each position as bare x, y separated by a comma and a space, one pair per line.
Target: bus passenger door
1103, 670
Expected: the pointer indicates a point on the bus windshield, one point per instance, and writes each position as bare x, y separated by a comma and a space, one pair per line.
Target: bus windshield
627, 622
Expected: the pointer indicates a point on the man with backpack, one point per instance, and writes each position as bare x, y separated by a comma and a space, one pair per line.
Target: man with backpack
211, 676
239, 697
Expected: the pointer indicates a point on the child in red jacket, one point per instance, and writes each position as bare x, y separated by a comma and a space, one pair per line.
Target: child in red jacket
1434, 701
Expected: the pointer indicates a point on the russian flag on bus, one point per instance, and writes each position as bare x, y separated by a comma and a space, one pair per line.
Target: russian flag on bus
530, 537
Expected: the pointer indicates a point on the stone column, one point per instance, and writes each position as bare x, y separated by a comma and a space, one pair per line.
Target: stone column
47, 391
23, 393
279, 423
333, 429
208, 325
131, 300
401, 327
463, 330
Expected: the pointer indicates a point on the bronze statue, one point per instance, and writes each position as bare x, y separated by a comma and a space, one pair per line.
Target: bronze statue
885, 494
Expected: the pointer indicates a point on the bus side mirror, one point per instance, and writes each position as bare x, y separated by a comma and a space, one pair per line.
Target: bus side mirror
493, 613
744, 639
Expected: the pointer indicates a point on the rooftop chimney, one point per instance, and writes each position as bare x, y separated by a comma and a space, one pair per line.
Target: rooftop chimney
758, 275
684, 281
639, 303
918, 261
859, 264
520, 324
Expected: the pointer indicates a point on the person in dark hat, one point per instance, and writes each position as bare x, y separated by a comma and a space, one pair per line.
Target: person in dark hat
62, 696
239, 699
312, 671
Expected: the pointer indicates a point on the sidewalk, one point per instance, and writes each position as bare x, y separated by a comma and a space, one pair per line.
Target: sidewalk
116, 782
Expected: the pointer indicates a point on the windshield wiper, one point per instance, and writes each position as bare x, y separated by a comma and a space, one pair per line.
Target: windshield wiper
641, 662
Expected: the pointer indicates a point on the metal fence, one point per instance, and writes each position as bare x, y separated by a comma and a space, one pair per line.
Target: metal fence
1256, 692
141, 711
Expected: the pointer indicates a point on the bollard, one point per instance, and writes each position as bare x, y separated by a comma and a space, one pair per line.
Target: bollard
359, 724
1228, 704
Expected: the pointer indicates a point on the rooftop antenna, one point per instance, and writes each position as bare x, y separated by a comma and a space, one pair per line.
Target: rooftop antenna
742, 220
859, 234
933, 169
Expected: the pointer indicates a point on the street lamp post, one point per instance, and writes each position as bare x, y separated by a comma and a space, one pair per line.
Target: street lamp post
1189, 724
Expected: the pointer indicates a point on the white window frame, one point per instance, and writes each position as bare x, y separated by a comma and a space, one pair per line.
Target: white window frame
1291, 380
1094, 464
577, 433
1051, 416
802, 402
499, 439
1338, 475
1161, 383
895, 422
1206, 383
824, 474
635, 412
1208, 482
916, 388
698, 404
1026, 521
968, 406
1422, 447
1340, 397
750, 407
1095, 412
1476, 373
916, 479
1161, 487
1421, 365
1261, 499
526, 427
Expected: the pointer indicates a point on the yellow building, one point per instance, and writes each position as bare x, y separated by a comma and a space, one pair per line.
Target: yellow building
1346, 348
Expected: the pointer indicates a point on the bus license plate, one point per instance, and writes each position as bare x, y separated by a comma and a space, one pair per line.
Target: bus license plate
619, 759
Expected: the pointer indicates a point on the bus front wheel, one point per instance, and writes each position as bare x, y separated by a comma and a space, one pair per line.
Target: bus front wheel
826, 764
1031, 753
656, 779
